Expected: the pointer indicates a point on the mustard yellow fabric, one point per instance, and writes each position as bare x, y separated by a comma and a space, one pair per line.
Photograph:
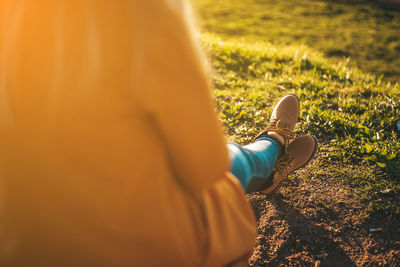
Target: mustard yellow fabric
111, 153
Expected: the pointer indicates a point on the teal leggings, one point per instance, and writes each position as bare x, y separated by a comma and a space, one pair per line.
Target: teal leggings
253, 164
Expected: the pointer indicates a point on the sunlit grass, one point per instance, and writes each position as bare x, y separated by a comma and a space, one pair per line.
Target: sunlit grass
366, 31
353, 114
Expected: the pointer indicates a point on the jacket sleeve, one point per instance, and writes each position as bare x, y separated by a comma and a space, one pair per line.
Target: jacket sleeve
176, 92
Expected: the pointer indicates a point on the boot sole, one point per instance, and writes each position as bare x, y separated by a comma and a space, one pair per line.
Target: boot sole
276, 189
298, 100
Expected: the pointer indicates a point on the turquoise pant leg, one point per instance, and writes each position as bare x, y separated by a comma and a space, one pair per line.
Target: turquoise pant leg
253, 164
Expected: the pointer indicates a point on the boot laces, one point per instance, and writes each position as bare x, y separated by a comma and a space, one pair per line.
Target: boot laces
284, 162
281, 128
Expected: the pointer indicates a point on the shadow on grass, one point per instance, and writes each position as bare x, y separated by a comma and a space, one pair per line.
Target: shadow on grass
304, 240
311, 237
393, 5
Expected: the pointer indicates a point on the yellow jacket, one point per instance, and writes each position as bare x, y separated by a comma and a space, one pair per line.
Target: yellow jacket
111, 151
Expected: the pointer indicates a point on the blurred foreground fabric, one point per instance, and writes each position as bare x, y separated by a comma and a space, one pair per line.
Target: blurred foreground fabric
110, 149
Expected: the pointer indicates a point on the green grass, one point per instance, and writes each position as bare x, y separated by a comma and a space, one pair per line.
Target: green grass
262, 49
365, 31
353, 114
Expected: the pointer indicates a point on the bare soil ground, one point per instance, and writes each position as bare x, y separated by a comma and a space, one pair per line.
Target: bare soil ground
318, 223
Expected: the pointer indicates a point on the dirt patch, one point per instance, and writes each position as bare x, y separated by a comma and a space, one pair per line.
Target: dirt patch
320, 221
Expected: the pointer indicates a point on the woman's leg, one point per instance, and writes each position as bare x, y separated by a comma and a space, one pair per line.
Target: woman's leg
253, 164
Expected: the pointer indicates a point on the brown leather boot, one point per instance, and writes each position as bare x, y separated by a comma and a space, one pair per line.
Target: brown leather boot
283, 119
298, 154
